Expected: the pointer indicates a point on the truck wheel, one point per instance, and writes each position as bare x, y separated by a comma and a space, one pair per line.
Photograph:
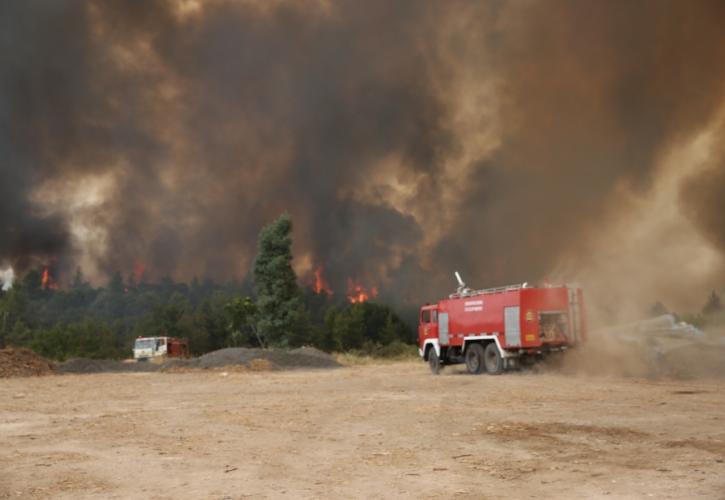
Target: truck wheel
493, 360
434, 362
474, 359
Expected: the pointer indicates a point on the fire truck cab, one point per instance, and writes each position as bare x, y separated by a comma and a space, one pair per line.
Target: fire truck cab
496, 329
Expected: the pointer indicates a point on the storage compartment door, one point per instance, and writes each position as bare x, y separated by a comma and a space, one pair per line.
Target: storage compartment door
443, 328
574, 315
512, 325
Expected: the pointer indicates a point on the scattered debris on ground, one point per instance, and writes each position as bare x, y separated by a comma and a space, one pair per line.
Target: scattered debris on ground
21, 362
241, 358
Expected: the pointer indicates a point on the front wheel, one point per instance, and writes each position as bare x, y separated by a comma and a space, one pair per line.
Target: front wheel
493, 360
434, 362
474, 359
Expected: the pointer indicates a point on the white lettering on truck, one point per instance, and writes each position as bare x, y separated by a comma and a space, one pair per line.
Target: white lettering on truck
473, 305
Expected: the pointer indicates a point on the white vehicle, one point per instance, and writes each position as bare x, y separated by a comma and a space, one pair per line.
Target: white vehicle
159, 347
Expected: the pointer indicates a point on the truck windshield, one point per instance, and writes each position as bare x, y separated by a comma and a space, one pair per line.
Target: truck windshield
425, 316
144, 344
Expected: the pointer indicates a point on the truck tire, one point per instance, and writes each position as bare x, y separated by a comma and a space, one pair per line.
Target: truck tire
493, 360
434, 362
474, 359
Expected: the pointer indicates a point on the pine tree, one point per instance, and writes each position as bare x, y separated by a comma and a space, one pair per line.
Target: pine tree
115, 284
242, 316
79, 280
713, 306
658, 309
278, 294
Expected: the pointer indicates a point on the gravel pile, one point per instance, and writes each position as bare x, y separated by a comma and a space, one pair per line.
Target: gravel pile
254, 359
85, 365
23, 362
304, 357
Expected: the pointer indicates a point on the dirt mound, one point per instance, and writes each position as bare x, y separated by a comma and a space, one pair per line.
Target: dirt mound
84, 365
23, 362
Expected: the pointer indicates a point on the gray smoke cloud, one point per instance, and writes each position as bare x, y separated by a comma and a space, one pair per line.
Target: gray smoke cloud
704, 192
407, 139
7, 277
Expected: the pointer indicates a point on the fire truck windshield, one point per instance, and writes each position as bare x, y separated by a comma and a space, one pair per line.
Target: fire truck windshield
144, 344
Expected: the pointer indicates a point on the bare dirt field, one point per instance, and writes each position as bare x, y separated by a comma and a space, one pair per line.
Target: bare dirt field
371, 431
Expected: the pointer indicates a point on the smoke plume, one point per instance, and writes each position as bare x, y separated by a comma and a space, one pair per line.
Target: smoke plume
513, 141
7, 277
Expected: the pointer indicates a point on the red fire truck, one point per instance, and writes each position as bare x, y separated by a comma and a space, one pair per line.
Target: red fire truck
500, 328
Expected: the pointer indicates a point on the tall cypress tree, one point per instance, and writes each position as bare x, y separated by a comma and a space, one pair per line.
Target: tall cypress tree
714, 304
278, 294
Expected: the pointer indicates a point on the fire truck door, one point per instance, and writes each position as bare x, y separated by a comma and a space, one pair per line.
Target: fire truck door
443, 328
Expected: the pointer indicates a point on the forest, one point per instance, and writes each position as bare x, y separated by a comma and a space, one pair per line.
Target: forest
102, 322
272, 310
268, 309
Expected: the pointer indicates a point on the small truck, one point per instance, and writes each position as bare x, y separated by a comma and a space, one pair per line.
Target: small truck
146, 348
497, 329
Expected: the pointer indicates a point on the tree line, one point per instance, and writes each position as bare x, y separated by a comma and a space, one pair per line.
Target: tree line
712, 313
269, 310
272, 310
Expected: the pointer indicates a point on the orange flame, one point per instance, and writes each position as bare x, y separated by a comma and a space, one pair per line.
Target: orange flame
46, 280
138, 270
320, 284
357, 294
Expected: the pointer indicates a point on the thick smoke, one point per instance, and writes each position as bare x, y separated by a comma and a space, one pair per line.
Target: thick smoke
704, 195
7, 277
407, 139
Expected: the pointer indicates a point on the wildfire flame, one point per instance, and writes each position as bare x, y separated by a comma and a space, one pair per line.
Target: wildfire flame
138, 271
46, 280
320, 284
357, 294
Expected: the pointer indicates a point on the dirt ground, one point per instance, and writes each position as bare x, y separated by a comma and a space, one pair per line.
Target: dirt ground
372, 431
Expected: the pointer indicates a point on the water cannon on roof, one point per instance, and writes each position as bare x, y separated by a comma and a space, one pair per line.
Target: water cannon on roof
462, 289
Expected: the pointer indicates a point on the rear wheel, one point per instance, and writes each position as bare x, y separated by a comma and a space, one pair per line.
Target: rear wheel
493, 359
434, 362
474, 359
